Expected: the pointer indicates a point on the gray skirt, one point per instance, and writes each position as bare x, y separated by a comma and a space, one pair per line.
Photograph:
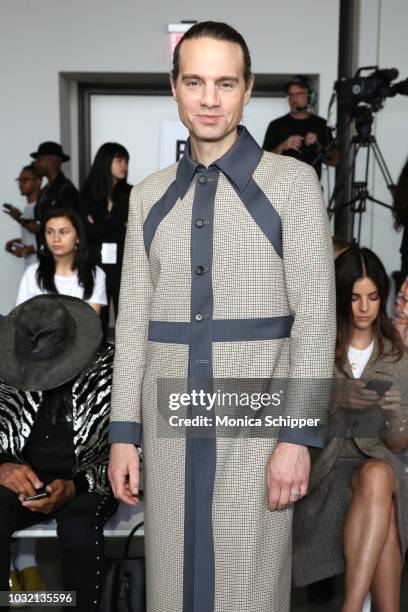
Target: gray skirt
319, 519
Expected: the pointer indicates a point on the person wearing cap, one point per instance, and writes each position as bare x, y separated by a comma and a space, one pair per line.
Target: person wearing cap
54, 409
301, 133
59, 192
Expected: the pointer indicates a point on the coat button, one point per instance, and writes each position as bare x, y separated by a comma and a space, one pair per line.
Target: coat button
199, 222
200, 270
199, 317
202, 179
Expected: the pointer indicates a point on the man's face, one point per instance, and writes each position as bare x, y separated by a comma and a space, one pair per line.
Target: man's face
27, 182
210, 89
44, 163
41, 164
297, 97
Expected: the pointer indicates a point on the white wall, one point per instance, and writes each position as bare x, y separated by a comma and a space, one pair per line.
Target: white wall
41, 39
384, 41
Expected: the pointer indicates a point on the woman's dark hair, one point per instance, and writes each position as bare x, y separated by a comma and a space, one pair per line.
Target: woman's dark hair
351, 266
218, 31
98, 185
400, 209
46, 268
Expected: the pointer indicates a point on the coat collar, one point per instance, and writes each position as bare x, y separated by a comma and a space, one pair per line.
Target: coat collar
238, 163
373, 366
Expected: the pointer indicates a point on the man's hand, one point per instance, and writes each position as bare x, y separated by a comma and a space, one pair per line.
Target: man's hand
14, 212
123, 472
310, 139
32, 226
288, 474
11, 243
61, 491
292, 142
19, 478
18, 250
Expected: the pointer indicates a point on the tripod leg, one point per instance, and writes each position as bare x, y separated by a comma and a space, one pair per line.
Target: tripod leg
354, 147
382, 165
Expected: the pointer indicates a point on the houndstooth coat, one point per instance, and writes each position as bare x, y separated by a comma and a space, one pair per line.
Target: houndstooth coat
228, 272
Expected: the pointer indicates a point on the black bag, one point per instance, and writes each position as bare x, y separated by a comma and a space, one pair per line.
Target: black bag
125, 585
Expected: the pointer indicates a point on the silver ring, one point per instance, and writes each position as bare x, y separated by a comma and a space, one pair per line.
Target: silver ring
295, 494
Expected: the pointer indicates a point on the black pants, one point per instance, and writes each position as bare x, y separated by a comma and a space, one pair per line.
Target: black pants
113, 272
80, 533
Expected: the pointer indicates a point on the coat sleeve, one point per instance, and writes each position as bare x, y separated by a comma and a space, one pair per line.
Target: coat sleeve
131, 331
309, 273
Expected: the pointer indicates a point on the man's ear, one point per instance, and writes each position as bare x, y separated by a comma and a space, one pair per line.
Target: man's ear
173, 85
249, 87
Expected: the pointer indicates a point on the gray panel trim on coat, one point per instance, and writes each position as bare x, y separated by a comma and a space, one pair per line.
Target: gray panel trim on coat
263, 213
157, 213
314, 436
127, 432
199, 562
224, 330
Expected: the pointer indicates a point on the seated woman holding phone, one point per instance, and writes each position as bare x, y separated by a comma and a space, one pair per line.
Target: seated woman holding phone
358, 494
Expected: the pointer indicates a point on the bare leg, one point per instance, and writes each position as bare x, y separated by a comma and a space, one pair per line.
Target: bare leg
386, 584
366, 528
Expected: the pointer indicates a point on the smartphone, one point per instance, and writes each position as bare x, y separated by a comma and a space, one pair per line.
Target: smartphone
8, 206
379, 386
39, 495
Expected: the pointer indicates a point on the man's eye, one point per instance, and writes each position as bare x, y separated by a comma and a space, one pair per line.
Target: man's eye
226, 85
192, 83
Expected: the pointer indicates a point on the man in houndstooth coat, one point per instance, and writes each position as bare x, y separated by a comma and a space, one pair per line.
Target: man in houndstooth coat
228, 273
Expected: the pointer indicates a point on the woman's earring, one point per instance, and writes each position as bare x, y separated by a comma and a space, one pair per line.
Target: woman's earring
44, 251
76, 246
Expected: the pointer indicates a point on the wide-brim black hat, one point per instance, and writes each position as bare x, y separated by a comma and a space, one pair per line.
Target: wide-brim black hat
50, 148
46, 341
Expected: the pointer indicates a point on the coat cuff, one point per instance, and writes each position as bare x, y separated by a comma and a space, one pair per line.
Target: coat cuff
127, 432
81, 484
6, 458
307, 436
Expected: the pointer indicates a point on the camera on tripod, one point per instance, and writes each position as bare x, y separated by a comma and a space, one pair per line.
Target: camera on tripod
372, 89
360, 96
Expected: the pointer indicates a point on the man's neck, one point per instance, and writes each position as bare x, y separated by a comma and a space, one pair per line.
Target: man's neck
52, 175
32, 197
300, 114
206, 152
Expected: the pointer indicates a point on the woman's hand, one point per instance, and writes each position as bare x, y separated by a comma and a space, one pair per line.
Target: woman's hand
353, 394
391, 401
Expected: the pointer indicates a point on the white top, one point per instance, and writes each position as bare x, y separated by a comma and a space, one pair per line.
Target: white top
27, 238
66, 285
358, 359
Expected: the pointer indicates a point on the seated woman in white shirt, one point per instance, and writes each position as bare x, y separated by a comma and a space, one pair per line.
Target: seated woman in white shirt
64, 266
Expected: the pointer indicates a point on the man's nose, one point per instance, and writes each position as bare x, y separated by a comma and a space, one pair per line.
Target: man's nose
209, 96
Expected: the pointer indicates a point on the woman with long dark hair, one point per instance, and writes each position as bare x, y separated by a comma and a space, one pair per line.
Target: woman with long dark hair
358, 500
107, 196
63, 263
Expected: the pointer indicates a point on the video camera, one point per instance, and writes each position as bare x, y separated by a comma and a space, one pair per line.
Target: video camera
372, 89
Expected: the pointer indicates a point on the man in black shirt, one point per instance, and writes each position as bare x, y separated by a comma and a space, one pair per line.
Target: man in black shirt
300, 133
59, 192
